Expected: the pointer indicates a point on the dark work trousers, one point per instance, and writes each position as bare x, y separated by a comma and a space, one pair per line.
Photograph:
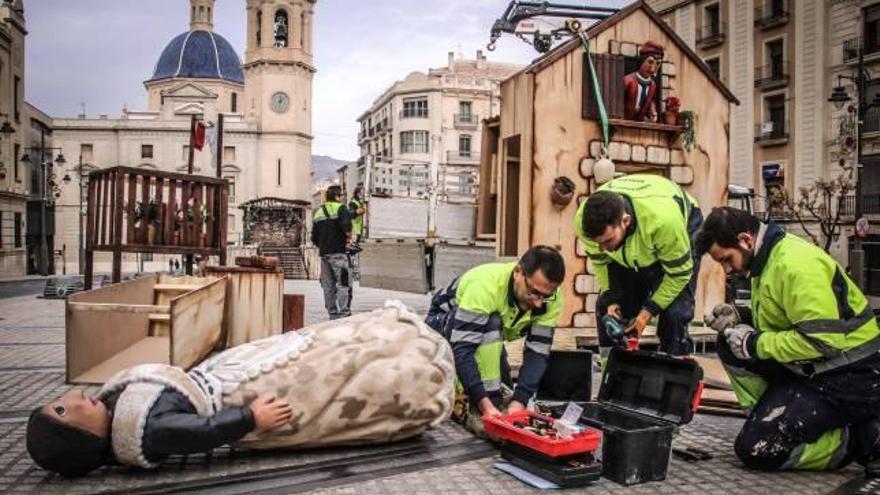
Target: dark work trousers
630, 288
795, 411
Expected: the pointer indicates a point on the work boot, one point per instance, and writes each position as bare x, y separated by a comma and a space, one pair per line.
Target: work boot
868, 436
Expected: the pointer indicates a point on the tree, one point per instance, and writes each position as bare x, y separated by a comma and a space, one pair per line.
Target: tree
822, 203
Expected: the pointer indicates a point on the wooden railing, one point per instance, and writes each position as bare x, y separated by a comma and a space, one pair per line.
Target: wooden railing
148, 211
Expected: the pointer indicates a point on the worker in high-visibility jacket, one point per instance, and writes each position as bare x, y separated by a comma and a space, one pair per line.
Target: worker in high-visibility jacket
805, 359
357, 207
488, 305
637, 232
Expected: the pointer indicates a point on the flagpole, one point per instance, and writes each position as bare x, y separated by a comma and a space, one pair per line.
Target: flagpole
188, 259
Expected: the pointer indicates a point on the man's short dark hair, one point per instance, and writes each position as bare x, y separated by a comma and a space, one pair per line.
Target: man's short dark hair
546, 259
603, 208
722, 227
333, 193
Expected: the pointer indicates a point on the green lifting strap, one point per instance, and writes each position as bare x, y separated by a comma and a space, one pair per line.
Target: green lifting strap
603, 116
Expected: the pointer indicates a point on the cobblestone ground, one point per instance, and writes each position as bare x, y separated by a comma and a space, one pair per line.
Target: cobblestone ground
445, 460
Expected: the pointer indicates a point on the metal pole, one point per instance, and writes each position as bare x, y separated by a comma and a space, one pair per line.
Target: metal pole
432, 184
368, 189
188, 258
81, 252
44, 239
857, 258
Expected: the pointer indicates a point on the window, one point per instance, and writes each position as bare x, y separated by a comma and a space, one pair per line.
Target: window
774, 125
231, 179
17, 229
415, 107
776, 58
146, 151
872, 29
279, 171
465, 108
233, 104
414, 142
280, 28
714, 65
712, 20
610, 71
16, 160
464, 145
229, 154
185, 152
86, 151
259, 29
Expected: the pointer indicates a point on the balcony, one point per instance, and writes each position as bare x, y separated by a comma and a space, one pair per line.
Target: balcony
414, 114
848, 207
384, 157
771, 133
466, 121
461, 156
385, 125
711, 35
771, 14
771, 76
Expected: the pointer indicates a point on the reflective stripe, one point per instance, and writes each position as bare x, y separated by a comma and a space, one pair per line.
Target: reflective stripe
492, 385
465, 336
478, 338
471, 317
794, 457
837, 326
599, 257
542, 331
843, 359
686, 273
676, 262
539, 347
841, 452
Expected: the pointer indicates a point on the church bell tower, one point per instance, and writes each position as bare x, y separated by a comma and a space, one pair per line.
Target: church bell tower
278, 72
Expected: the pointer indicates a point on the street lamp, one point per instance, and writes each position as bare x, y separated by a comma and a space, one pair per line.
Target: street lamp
839, 97
80, 173
47, 180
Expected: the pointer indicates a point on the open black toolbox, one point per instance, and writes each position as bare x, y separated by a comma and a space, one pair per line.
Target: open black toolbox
643, 396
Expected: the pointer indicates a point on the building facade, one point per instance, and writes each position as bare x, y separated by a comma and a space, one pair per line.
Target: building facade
431, 117
14, 175
265, 101
783, 59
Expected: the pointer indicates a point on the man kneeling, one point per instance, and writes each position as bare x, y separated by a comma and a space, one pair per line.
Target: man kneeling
805, 361
372, 378
488, 305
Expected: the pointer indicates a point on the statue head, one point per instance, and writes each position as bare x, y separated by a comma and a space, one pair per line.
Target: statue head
650, 57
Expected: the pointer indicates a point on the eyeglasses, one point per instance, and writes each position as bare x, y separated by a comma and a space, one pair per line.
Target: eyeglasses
534, 294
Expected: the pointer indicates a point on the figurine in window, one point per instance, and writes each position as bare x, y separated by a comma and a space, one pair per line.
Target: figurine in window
640, 87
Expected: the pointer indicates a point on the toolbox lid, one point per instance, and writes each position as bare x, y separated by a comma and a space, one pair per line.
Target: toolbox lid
653, 384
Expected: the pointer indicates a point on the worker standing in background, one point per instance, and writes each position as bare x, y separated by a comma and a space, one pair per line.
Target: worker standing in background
358, 208
331, 233
491, 304
805, 360
637, 231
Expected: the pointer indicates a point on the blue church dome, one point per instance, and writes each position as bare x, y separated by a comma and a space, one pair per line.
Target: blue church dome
201, 54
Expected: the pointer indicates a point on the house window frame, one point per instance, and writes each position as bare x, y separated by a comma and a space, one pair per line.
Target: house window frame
147, 151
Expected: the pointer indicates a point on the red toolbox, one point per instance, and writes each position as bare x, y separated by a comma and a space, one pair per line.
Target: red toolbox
503, 427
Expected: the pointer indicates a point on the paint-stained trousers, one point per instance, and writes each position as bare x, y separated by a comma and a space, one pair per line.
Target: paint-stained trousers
336, 282
799, 422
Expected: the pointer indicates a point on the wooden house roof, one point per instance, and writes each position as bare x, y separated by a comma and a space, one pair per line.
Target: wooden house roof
594, 30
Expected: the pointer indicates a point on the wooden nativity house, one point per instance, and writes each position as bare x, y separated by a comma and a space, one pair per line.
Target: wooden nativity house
549, 128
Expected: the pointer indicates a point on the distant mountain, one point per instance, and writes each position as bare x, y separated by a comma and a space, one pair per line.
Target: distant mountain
324, 167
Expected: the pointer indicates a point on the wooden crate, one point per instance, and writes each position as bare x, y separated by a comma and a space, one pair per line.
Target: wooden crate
156, 319
254, 303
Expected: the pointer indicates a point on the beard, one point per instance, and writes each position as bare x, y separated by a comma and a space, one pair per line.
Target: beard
747, 257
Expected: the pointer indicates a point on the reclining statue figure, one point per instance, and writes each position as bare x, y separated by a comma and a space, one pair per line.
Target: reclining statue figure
371, 378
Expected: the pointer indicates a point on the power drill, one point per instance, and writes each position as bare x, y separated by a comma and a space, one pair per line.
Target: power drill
617, 331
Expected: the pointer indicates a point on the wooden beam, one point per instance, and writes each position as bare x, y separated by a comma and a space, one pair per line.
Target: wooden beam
118, 308
175, 287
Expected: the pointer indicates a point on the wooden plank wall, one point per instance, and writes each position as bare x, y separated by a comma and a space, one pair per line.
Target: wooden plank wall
196, 323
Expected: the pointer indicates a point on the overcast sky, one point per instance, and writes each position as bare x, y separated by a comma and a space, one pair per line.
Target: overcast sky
99, 52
